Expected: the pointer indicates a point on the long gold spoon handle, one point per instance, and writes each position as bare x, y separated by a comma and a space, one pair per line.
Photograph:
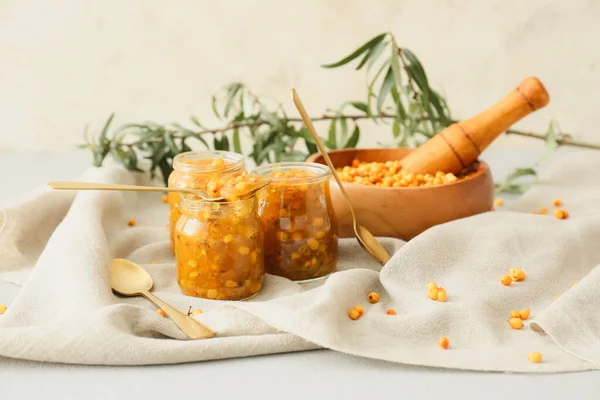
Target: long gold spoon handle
315, 135
63, 185
192, 328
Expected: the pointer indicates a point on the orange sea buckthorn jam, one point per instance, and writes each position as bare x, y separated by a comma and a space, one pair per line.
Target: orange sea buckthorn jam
194, 170
390, 174
301, 239
219, 249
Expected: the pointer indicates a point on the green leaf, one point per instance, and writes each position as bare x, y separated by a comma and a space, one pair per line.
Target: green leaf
370, 93
234, 88
551, 141
332, 135
171, 144
400, 111
416, 71
165, 169
375, 53
359, 105
293, 156
246, 105
343, 128
308, 140
132, 160
225, 143
196, 122
214, 106
520, 172
438, 103
184, 146
237, 146
396, 65
104, 131
217, 144
385, 89
353, 139
365, 47
396, 128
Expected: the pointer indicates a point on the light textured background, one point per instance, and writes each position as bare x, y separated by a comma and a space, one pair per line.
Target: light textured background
65, 63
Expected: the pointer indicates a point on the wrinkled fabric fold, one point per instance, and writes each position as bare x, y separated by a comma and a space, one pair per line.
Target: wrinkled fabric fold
59, 245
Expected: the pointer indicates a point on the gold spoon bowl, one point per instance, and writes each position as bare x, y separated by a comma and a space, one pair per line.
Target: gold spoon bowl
129, 279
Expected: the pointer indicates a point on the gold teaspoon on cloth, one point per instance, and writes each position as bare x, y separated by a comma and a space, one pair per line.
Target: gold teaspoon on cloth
364, 237
129, 279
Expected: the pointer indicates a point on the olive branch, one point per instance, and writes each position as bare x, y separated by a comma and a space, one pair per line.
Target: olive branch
398, 95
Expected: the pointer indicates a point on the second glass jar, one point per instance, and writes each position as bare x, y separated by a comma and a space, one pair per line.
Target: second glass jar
301, 239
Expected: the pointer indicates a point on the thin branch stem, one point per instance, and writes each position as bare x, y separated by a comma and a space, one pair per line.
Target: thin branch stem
562, 142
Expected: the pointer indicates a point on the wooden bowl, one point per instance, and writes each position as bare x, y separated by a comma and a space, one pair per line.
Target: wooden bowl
405, 212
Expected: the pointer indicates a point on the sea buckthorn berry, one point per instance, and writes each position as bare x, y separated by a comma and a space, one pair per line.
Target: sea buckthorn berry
390, 311
433, 294
557, 202
194, 274
217, 162
164, 198
560, 214
444, 343
231, 284
441, 289
212, 294
313, 243
243, 250
535, 357
524, 313
253, 257
373, 297
499, 202
517, 274
192, 263
574, 283
556, 297
281, 236
161, 312
516, 323
360, 310
131, 222
318, 221
3, 308
543, 211
227, 238
154, 262
354, 314
515, 314
431, 285
506, 280
442, 296
196, 312
319, 234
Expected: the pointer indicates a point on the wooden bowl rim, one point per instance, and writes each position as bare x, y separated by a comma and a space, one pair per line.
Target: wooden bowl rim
482, 168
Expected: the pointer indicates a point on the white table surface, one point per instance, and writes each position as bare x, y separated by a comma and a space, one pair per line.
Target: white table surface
315, 374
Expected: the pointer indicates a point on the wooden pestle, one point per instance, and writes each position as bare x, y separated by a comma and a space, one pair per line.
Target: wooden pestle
460, 144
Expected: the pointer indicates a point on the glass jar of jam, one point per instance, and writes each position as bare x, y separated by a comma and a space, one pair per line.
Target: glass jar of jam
219, 248
194, 170
301, 239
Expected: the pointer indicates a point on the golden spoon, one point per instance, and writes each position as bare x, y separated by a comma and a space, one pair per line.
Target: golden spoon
364, 237
61, 185
129, 279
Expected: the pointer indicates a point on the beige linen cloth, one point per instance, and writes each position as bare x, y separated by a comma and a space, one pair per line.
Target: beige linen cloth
58, 245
